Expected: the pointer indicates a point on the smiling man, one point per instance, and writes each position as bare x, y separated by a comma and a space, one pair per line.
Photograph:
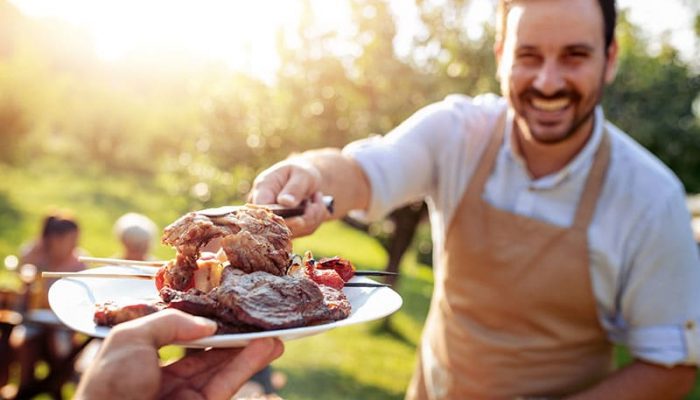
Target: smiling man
556, 235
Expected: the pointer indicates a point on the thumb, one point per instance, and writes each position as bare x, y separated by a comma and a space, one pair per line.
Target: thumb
165, 327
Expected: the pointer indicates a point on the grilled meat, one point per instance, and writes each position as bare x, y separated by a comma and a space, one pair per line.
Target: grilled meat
253, 302
254, 292
253, 238
110, 314
271, 302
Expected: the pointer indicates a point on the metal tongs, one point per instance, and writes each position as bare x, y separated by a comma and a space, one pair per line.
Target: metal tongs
282, 211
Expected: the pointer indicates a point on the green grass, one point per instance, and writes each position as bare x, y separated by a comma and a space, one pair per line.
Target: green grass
367, 361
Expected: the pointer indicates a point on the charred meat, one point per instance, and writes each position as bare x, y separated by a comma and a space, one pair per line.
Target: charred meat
247, 286
271, 302
110, 314
253, 238
250, 302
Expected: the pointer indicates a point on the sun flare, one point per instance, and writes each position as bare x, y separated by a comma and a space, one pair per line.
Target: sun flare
241, 34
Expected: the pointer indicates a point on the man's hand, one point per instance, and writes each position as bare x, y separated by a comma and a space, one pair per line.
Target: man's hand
641, 380
289, 183
128, 367
304, 177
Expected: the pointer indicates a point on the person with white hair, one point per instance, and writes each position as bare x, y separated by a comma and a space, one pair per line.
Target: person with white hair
135, 232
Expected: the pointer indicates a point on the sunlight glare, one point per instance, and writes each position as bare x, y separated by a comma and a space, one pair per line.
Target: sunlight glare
240, 34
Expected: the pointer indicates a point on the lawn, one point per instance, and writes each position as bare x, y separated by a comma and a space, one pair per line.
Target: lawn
367, 361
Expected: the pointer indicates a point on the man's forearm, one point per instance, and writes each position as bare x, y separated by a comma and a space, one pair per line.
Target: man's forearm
641, 381
342, 178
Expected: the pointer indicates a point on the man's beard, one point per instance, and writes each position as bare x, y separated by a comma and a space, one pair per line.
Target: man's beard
580, 118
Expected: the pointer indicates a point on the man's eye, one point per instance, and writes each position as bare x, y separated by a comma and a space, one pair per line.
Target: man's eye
528, 57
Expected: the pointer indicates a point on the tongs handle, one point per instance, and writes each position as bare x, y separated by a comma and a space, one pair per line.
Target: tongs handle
277, 209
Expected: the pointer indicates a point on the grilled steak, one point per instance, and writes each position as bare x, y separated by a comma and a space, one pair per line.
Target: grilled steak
254, 291
253, 238
271, 302
110, 314
193, 302
252, 302
335, 302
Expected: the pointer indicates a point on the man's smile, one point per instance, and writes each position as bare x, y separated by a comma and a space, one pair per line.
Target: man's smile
557, 104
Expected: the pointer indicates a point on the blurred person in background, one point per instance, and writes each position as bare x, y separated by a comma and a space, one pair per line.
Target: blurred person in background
42, 337
556, 236
55, 250
136, 233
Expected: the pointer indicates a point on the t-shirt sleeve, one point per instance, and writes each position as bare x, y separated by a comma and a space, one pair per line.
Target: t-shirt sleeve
402, 165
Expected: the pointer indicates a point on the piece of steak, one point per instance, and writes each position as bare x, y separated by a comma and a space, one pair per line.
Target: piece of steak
245, 303
253, 238
196, 302
193, 302
336, 303
110, 313
276, 302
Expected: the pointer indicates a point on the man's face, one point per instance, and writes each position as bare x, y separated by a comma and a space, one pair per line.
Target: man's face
553, 66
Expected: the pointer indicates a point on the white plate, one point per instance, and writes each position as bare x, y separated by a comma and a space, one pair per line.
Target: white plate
73, 300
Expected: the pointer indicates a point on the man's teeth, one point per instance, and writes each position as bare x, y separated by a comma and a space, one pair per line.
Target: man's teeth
551, 105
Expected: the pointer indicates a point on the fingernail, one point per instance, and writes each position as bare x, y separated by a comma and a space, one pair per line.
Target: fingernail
287, 198
271, 347
206, 322
265, 343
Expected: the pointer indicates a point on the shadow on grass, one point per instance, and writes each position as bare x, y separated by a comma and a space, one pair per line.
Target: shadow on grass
416, 295
387, 328
316, 383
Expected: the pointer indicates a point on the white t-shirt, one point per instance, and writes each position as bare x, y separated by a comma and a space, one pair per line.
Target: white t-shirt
645, 266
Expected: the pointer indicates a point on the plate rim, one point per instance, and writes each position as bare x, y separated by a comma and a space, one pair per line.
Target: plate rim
223, 340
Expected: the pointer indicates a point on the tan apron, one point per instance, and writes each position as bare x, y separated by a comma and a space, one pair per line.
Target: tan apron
514, 313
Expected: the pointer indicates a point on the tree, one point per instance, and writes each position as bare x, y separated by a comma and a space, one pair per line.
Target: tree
652, 99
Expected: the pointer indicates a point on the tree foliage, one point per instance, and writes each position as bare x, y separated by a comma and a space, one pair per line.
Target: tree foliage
202, 132
652, 99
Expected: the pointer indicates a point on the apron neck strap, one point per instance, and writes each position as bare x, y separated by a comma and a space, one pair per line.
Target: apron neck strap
488, 157
591, 190
594, 183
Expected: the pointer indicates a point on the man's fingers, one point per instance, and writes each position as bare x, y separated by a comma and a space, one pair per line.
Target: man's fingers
263, 195
287, 183
193, 364
164, 327
301, 184
194, 371
250, 360
315, 214
268, 184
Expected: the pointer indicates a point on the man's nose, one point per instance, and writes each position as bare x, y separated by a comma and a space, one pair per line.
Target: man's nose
549, 79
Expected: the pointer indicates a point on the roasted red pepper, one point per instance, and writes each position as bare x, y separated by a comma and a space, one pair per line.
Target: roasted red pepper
343, 267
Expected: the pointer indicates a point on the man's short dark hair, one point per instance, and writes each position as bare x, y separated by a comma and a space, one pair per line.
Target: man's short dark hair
606, 6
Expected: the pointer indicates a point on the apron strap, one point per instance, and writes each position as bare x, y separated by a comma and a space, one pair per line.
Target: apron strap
488, 157
594, 184
592, 187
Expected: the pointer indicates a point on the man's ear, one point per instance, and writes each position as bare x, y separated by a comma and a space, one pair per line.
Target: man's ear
498, 53
611, 62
